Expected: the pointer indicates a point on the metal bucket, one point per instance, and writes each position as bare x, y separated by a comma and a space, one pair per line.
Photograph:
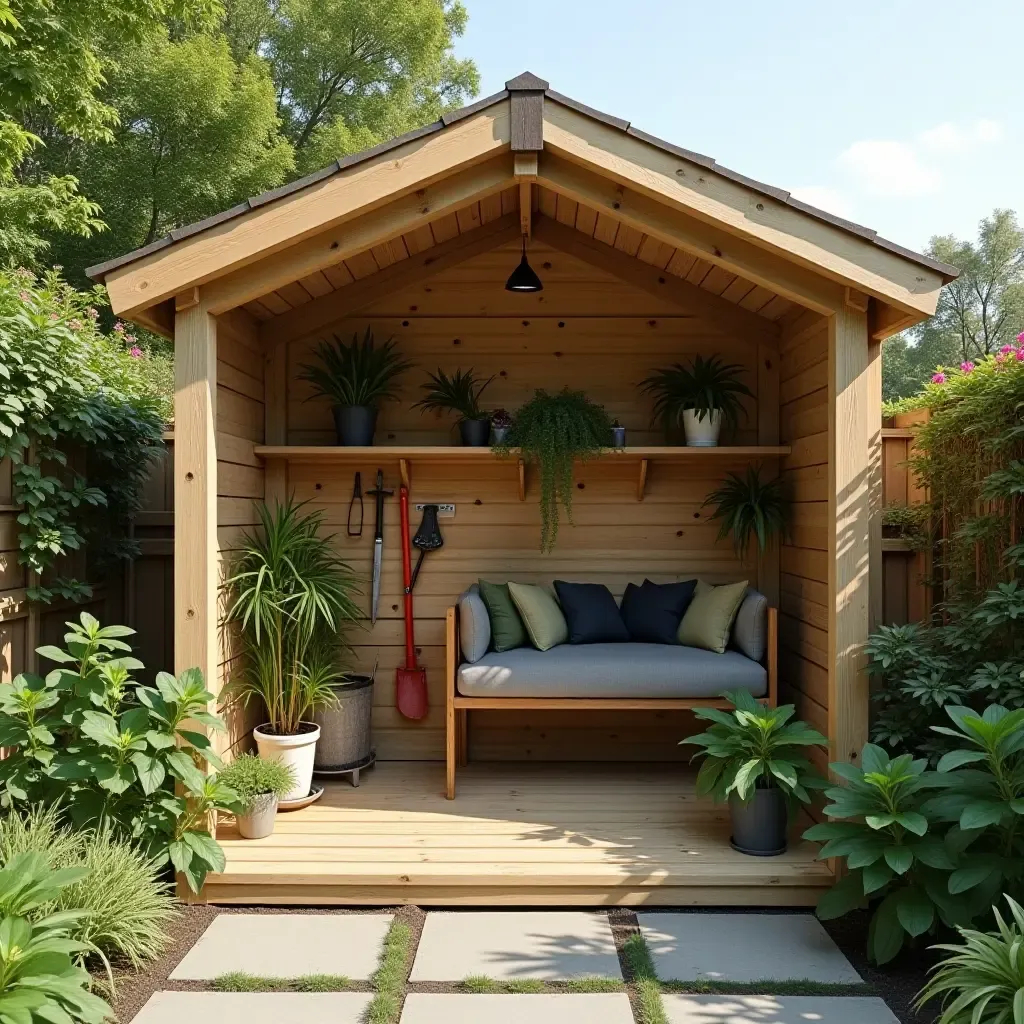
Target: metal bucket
345, 737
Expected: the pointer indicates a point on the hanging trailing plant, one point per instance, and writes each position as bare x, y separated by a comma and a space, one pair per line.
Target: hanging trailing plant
746, 507
553, 431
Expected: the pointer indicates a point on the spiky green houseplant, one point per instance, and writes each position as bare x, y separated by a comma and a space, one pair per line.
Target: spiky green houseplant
292, 599
460, 393
747, 507
251, 777
553, 431
705, 386
359, 373
982, 980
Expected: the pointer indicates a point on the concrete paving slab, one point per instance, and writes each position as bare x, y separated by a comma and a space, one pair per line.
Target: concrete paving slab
547, 1008
254, 1008
777, 1010
744, 947
518, 944
287, 946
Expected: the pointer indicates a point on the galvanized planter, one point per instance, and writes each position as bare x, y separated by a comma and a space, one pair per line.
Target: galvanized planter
258, 820
346, 742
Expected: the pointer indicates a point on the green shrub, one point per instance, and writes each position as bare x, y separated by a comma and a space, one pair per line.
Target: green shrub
126, 901
110, 750
251, 776
40, 976
982, 980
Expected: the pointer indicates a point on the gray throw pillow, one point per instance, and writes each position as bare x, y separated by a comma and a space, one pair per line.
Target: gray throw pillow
474, 625
750, 630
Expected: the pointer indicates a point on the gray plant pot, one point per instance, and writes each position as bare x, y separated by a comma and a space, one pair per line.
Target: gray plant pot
258, 821
500, 433
345, 737
759, 826
475, 433
354, 425
618, 437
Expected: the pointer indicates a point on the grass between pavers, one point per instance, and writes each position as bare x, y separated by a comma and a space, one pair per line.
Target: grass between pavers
389, 978
481, 984
240, 981
648, 1006
768, 987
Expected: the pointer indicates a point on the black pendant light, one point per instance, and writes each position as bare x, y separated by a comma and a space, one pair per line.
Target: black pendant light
523, 278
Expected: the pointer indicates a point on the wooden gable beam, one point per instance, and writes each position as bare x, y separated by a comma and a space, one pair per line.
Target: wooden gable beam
277, 224
326, 248
667, 224
747, 326
770, 224
526, 109
524, 166
336, 305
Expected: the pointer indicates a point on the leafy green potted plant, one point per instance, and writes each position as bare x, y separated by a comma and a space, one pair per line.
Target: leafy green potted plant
699, 398
459, 393
357, 377
552, 431
753, 758
259, 784
747, 506
292, 598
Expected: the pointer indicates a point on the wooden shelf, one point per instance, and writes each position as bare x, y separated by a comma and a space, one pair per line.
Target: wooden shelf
405, 455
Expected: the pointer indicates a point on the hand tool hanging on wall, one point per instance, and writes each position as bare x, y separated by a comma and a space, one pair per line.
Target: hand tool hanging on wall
428, 538
378, 543
410, 680
357, 496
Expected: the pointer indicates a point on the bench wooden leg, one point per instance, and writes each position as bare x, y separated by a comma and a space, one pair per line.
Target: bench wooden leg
450, 740
462, 746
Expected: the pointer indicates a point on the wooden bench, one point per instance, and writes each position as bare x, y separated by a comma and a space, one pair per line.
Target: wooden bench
457, 707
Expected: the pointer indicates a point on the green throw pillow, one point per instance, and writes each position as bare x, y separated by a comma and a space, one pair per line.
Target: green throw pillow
507, 629
543, 618
709, 618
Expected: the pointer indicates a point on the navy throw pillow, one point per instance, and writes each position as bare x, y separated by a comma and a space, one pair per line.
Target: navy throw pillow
652, 613
591, 613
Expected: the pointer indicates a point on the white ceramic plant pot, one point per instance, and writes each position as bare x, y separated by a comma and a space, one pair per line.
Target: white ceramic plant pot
298, 751
702, 433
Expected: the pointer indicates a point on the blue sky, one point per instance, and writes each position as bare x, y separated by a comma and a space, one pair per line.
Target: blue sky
902, 115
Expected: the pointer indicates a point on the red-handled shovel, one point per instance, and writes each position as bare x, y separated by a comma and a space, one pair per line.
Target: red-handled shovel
410, 681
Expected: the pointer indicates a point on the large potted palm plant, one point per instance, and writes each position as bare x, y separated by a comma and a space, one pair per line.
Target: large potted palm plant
356, 377
699, 398
460, 393
292, 599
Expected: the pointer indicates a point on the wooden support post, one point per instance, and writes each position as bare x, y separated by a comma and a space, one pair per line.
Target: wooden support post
641, 483
768, 566
525, 170
195, 488
522, 480
852, 404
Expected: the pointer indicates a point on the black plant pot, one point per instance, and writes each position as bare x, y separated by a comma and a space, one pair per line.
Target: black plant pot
355, 424
759, 826
475, 433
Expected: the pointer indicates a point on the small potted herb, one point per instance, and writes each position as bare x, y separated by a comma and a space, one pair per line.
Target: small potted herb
618, 435
753, 758
749, 507
460, 393
501, 423
357, 377
260, 785
698, 398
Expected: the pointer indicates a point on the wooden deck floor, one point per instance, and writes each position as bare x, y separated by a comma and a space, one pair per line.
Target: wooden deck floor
523, 835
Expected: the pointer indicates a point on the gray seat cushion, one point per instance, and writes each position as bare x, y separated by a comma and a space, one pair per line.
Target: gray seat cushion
611, 670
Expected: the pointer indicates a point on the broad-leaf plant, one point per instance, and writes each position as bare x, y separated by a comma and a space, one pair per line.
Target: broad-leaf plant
113, 752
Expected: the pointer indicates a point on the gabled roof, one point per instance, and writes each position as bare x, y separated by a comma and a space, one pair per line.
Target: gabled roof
526, 82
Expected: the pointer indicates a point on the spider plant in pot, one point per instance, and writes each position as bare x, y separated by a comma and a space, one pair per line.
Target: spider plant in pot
501, 423
259, 785
356, 377
748, 507
753, 758
699, 398
552, 432
460, 393
292, 600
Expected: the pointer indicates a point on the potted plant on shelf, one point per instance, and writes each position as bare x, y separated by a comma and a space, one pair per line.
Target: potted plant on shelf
259, 785
291, 597
357, 377
699, 397
459, 393
753, 758
501, 423
618, 435
553, 431
747, 507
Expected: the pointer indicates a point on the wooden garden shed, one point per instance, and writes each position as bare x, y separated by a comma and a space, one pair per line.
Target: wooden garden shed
648, 253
